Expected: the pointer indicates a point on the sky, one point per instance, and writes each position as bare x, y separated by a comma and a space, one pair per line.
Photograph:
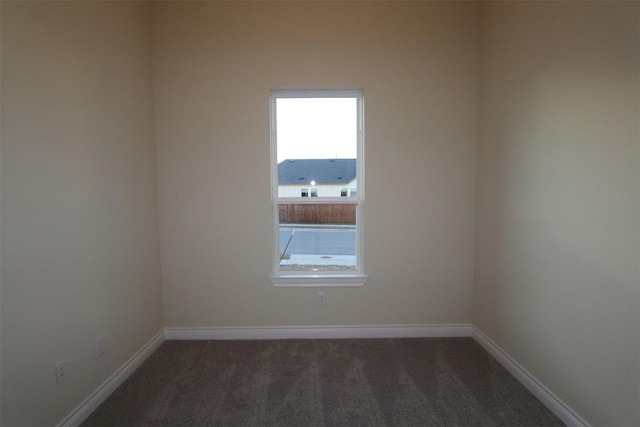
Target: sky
316, 128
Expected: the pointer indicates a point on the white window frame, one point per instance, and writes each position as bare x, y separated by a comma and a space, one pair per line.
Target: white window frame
310, 278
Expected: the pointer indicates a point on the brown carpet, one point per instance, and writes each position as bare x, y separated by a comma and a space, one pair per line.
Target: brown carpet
374, 382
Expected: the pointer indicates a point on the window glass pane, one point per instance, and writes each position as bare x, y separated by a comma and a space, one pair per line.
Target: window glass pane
316, 145
317, 237
316, 142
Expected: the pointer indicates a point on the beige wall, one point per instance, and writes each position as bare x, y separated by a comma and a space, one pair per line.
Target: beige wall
213, 67
557, 224
79, 228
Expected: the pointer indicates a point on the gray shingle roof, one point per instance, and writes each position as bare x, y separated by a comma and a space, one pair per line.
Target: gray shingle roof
322, 171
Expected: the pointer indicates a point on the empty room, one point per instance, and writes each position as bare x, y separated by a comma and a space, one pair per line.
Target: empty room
319, 213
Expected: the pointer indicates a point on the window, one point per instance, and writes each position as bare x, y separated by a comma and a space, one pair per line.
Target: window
317, 187
348, 192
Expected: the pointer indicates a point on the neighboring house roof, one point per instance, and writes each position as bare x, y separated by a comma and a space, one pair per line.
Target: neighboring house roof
322, 171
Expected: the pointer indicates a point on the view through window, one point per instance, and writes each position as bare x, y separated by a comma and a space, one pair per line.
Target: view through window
317, 151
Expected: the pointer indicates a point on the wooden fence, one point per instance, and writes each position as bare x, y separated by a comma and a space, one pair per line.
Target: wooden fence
343, 214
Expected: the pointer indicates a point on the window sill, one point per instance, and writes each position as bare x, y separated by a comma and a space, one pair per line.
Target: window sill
320, 280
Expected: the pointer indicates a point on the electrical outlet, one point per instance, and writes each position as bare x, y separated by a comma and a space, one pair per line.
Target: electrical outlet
100, 349
322, 298
61, 371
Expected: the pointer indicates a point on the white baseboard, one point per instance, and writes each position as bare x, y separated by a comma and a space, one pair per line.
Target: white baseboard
317, 332
550, 400
82, 411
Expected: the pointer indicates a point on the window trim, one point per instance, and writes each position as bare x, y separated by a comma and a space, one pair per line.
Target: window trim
281, 278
